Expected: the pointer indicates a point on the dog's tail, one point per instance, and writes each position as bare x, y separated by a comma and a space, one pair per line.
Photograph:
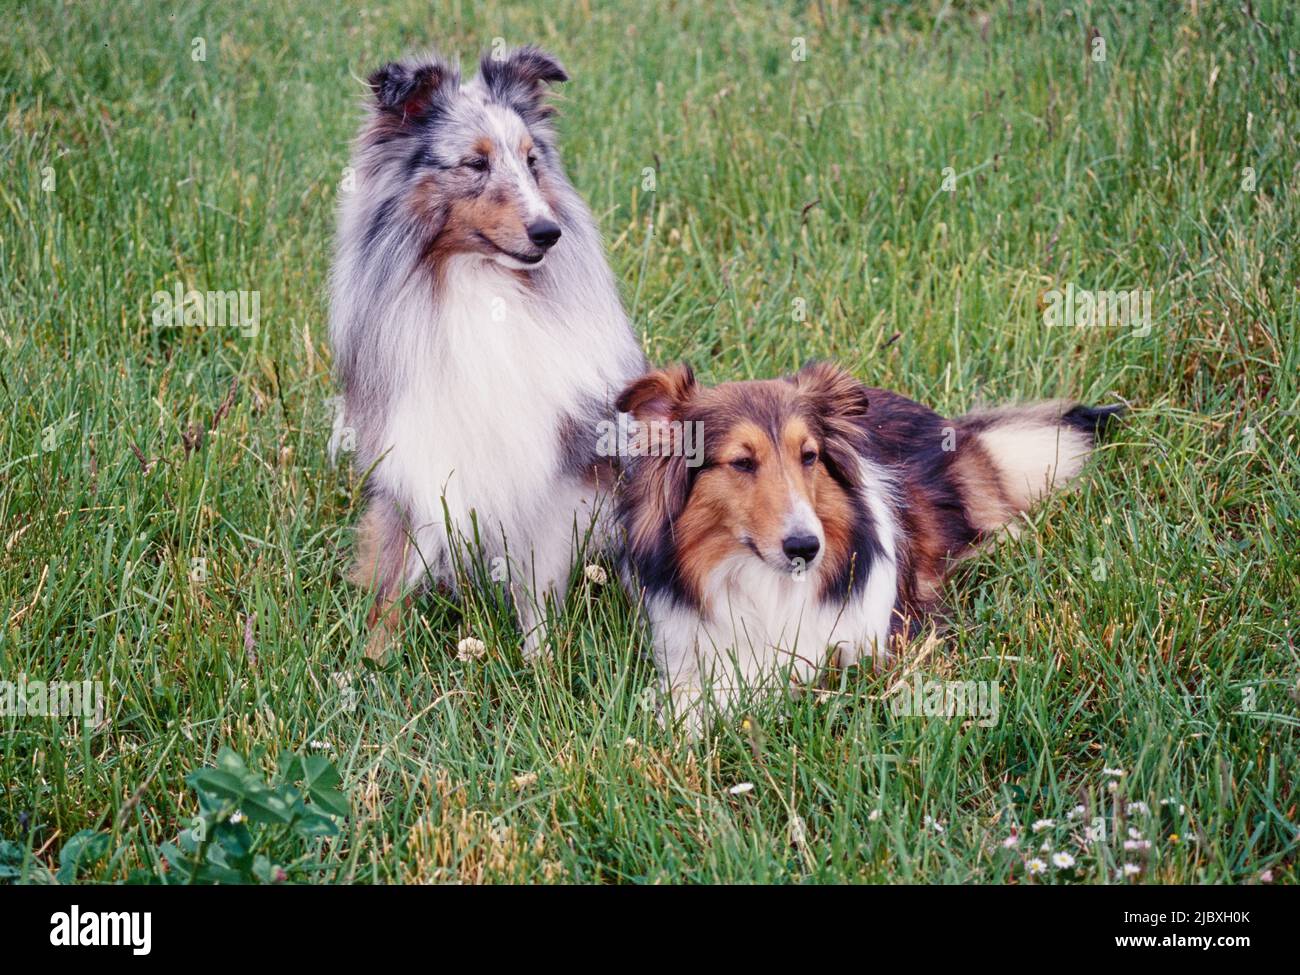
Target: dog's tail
1008, 459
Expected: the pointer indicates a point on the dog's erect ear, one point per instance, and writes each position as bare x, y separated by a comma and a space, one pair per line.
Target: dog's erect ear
659, 395
519, 79
839, 404
410, 91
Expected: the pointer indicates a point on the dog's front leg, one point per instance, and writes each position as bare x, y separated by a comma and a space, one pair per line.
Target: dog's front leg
545, 577
687, 699
383, 548
578, 521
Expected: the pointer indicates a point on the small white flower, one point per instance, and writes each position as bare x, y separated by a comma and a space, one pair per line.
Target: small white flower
1062, 861
596, 574
1075, 813
1134, 834
1113, 772
1042, 824
934, 824
873, 815
1137, 845
740, 788
1266, 877
322, 746
1138, 808
1174, 802
237, 817
1011, 842
1047, 845
1035, 866
1130, 870
470, 648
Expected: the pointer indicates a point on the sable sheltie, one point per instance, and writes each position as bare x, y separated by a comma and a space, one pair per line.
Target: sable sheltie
820, 520
478, 336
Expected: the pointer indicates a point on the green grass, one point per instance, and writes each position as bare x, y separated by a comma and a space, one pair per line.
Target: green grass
1129, 627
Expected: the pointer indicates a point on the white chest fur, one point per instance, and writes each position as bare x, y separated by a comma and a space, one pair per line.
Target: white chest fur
486, 387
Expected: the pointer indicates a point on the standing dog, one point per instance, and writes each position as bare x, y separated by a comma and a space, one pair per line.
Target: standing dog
822, 520
478, 336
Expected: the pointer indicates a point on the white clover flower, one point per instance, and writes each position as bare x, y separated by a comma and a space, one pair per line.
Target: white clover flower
1042, 824
873, 815
1075, 813
1113, 772
740, 788
237, 817
1129, 870
596, 574
1035, 866
934, 824
1137, 844
1134, 834
1062, 861
470, 648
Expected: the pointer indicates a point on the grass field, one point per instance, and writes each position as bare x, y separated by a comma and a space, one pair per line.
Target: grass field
899, 200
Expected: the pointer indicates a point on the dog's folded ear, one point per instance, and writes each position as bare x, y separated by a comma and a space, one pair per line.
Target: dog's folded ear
833, 391
409, 91
657, 493
519, 78
659, 395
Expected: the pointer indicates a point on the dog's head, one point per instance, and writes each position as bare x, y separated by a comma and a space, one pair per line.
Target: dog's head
777, 483
474, 164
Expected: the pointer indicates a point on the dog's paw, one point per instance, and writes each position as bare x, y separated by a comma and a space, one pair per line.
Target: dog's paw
682, 710
380, 642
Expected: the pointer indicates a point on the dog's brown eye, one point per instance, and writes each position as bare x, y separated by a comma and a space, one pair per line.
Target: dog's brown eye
809, 458
532, 160
479, 164
745, 465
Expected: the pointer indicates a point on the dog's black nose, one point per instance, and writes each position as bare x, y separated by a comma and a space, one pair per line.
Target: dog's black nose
543, 233
803, 547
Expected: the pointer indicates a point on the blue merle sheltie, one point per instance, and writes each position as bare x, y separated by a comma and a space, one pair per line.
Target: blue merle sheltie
821, 519
478, 336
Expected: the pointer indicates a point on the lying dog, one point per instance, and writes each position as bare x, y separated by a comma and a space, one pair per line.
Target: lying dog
478, 336
822, 520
